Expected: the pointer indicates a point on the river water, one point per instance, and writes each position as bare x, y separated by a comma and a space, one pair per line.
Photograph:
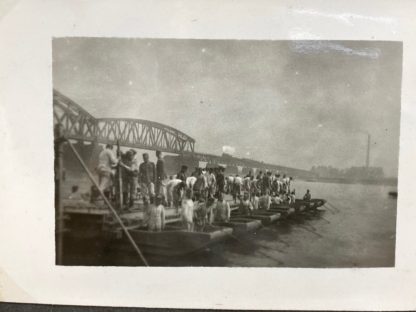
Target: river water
356, 230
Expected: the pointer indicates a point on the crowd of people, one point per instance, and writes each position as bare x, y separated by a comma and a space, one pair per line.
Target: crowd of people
199, 198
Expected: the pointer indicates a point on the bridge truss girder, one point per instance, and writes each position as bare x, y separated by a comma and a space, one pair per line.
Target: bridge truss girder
78, 124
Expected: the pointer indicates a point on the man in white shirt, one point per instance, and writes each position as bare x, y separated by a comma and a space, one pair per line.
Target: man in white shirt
106, 162
173, 190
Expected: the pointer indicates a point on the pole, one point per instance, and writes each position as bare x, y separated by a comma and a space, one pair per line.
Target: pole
108, 204
59, 214
120, 180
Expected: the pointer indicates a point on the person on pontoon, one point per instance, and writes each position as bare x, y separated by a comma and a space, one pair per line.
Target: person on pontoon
277, 199
246, 208
211, 182
130, 169
256, 200
222, 209
200, 214
161, 176
285, 185
279, 184
107, 160
200, 185
307, 196
174, 190
238, 186
188, 211
211, 204
156, 218
75, 194
182, 173
285, 198
265, 200
220, 180
292, 197
266, 183
147, 177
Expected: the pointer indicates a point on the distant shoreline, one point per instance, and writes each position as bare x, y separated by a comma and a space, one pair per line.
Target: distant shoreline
386, 181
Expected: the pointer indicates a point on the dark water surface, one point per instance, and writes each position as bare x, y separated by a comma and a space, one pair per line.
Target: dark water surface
356, 230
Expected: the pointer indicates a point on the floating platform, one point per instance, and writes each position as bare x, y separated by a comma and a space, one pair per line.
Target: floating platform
284, 209
266, 217
174, 241
241, 225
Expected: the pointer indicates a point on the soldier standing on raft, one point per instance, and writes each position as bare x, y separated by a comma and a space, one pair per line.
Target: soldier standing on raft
220, 179
160, 175
129, 176
147, 175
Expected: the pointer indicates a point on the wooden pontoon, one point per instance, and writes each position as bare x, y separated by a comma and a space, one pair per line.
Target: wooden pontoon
241, 225
266, 217
175, 241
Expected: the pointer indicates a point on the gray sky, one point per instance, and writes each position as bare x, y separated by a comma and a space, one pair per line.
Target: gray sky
292, 103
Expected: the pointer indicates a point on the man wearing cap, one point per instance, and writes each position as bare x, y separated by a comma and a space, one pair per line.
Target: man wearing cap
147, 175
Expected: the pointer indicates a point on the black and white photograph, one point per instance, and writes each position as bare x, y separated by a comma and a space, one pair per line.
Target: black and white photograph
215, 155
226, 153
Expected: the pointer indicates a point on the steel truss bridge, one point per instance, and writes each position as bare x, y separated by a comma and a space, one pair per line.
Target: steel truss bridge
78, 124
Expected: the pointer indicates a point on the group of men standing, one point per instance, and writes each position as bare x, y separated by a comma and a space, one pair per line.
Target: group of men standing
262, 184
152, 180
200, 195
124, 169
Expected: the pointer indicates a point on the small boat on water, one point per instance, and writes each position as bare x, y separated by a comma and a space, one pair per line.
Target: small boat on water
311, 204
393, 194
299, 206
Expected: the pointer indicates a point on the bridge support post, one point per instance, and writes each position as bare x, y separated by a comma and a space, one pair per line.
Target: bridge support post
59, 213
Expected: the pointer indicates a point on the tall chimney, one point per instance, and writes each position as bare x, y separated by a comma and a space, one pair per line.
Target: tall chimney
367, 163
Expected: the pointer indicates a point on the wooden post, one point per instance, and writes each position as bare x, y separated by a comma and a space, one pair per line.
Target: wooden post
126, 231
59, 213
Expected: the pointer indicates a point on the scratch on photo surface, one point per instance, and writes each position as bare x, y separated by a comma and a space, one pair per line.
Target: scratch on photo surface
319, 46
347, 18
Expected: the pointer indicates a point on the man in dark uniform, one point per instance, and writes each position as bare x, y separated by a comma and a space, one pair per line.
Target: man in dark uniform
182, 174
147, 175
160, 175
220, 178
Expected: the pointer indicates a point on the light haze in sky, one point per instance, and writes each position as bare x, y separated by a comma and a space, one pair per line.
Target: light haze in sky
290, 103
